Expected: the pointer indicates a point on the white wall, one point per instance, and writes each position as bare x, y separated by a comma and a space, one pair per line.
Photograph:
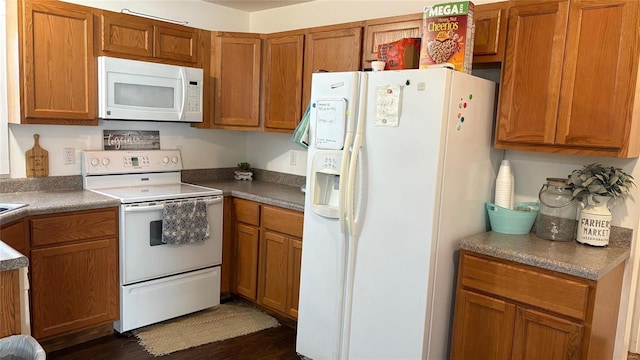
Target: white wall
198, 13
201, 149
327, 12
275, 151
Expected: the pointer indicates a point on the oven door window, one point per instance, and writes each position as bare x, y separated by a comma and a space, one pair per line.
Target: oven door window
155, 233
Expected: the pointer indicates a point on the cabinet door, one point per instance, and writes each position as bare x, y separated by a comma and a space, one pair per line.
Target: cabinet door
388, 30
58, 63
490, 32
332, 50
246, 275
273, 271
595, 101
482, 325
295, 262
126, 34
531, 74
74, 286
176, 44
16, 235
282, 82
9, 303
237, 83
542, 336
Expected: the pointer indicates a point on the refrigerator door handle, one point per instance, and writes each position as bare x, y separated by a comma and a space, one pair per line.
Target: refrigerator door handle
344, 175
355, 153
351, 185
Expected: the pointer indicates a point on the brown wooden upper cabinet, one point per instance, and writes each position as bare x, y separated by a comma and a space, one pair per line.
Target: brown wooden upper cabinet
333, 48
386, 30
124, 35
282, 81
490, 21
57, 77
235, 67
569, 78
490, 33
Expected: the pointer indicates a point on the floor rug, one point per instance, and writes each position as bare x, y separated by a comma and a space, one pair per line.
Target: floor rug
218, 323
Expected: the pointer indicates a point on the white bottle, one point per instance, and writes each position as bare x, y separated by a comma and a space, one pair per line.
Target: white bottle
504, 186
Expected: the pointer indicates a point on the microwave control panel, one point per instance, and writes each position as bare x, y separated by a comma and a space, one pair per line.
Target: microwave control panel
193, 96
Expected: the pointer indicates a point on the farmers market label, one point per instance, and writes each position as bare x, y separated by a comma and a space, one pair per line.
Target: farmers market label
594, 229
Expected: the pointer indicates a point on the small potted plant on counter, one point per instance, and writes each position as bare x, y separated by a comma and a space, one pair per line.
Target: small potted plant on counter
595, 185
244, 172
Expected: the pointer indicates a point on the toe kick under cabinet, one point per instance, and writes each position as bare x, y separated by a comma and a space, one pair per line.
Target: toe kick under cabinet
508, 310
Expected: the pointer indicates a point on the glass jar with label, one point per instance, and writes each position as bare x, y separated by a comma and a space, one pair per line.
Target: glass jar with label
557, 218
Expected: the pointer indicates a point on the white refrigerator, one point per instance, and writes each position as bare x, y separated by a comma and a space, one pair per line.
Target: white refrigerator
400, 165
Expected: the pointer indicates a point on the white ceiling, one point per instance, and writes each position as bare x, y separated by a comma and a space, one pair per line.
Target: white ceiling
255, 5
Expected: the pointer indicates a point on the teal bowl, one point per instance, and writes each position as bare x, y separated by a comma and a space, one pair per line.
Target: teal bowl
517, 221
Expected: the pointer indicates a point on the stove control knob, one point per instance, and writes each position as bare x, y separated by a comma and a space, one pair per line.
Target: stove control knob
106, 161
174, 159
165, 159
95, 162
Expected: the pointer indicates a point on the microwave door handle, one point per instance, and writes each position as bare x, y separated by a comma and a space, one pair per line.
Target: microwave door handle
183, 76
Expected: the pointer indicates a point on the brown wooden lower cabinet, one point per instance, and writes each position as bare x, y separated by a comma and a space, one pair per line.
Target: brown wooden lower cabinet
9, 303
268, 254
246, 275
74, 279
507, 310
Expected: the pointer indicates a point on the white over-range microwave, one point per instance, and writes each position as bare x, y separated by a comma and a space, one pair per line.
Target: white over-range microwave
141, 90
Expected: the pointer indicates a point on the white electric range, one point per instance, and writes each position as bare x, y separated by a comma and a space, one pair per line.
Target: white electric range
158, 281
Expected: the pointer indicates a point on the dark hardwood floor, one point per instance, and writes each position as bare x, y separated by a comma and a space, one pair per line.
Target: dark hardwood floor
275, 343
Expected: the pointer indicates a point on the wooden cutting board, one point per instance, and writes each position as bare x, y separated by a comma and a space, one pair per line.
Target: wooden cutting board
37, 160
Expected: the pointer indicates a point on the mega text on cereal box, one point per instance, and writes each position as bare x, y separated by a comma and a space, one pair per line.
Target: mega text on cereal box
447, 35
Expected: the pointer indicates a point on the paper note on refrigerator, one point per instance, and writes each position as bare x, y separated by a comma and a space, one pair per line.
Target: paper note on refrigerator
388, 99
331, 115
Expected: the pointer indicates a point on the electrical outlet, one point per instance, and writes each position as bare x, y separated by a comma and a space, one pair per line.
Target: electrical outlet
293, 157
69, 156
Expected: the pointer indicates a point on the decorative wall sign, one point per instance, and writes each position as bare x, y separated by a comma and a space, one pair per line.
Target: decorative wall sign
131, 139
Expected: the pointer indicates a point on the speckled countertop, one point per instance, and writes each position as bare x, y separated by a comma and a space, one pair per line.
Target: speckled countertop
49, 202
11, 259
569, 257
44, 202
53, 201
289, 197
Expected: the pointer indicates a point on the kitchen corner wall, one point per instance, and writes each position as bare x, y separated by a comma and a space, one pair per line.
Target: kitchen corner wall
201, 149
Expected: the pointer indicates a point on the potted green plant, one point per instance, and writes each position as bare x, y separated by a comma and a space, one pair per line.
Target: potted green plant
244, 171
595, 185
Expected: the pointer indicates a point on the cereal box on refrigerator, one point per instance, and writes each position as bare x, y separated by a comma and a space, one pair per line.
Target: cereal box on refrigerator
447, 35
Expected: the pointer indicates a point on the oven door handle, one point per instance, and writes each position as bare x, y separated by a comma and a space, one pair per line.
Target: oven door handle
160, 206
133, 209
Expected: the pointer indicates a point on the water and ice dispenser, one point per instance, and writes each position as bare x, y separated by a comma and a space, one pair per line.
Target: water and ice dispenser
325, 183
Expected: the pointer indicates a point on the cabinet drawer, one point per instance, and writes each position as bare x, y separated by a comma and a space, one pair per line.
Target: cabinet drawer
247, 212
74, 226
281, 220
512, 281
